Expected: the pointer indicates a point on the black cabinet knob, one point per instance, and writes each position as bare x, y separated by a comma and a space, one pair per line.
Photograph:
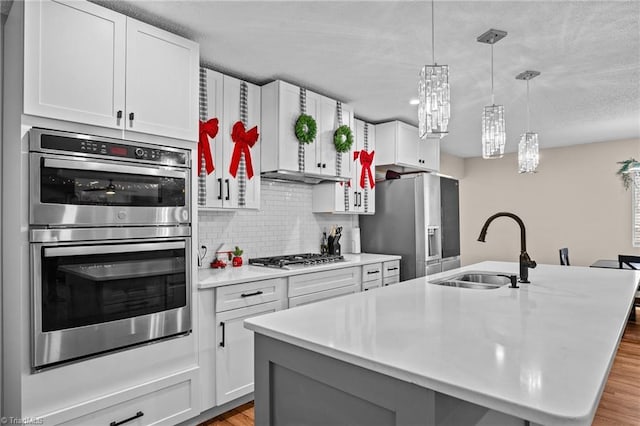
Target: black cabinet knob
131, 116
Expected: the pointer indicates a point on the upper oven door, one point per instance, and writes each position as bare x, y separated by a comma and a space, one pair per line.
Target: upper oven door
79, 191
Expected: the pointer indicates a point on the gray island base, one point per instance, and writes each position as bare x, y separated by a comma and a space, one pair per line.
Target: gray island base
296, 386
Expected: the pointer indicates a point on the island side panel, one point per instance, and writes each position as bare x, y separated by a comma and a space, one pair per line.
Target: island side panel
298, 386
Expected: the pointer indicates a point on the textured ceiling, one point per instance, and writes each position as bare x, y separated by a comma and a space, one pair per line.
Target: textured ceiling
369, 54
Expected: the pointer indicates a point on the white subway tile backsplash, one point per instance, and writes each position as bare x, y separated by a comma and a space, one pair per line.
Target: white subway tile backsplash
283, 225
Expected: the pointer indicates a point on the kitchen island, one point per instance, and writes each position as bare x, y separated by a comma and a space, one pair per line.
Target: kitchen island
418, 353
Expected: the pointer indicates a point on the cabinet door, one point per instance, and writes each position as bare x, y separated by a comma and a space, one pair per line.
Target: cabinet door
327, 125
234, 355
407, 145
231, 116
312, 151
346, 168
429, 154
289, 111
162, 82
356, 191
214, 186
74, 62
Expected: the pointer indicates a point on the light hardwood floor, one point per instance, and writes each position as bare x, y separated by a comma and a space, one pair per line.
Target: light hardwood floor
619, 405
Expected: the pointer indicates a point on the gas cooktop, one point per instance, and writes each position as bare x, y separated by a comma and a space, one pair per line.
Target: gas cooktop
294, 260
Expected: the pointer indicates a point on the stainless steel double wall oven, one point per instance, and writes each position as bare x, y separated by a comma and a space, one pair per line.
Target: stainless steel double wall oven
110, 233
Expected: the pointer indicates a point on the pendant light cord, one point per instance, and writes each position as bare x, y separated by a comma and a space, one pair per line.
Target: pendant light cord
492, 98
433, 36
528, 110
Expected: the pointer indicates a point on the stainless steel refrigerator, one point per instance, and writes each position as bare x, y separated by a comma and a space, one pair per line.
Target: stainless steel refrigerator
408, 222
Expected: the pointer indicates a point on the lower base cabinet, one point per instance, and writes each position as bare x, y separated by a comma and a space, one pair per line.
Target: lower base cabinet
234, 355
167, 401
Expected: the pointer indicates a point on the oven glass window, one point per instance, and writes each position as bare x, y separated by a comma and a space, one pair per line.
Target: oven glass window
88, 187
90, 289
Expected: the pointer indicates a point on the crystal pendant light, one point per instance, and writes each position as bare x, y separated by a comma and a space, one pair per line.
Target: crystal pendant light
434, 108
528, 150
493, 127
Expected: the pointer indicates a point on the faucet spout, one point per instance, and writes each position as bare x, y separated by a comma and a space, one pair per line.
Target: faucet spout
525, 261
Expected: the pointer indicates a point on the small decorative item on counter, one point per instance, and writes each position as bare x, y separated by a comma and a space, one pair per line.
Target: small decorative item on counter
219, 263
334, 238
237, 260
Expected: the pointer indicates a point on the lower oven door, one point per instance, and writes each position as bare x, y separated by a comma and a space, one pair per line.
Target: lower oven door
91, 298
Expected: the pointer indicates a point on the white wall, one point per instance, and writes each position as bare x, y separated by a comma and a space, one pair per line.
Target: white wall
575, 200
283, 225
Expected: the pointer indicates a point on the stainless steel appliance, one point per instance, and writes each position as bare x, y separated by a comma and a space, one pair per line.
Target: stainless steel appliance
81, 180
450, 219
110, 245
296, 260
408, 222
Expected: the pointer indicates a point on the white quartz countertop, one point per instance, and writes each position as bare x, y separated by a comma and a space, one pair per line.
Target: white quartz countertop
209, 278
541, 352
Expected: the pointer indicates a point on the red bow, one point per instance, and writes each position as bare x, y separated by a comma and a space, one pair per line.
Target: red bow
366, 159
243, 141
208, 129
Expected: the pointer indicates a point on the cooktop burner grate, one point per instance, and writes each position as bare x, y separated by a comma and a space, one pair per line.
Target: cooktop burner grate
304, 259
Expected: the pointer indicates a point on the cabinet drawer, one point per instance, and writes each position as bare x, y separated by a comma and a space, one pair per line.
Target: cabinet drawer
391, 268
368, 285
371, 272
391, 280
171, 402
323, 295
248, 294
326, 280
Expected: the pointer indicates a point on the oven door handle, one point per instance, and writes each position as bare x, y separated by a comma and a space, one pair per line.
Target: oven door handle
106, 249
116, 168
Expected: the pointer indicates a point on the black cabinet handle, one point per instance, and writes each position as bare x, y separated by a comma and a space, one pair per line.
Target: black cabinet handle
131, 116
355, 198
219, 188
319, 164
251, 294
372, 272
222, 325
324, 166
228, 197
119, 114
137, 416
392, 269
360, 199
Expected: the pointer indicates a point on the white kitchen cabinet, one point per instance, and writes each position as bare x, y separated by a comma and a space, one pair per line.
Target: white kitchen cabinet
371, 276
234, 355
223, 102
390, 272
350, 197
87, 64
280, 110
317, 286
166, 401
398, 144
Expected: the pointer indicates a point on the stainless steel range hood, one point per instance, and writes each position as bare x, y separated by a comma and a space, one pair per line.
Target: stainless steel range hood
311, 178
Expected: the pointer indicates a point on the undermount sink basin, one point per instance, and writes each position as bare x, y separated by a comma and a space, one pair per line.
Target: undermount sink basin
478, 280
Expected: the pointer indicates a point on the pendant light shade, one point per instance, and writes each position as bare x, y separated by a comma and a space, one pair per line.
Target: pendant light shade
434, 108
493, 125
528, 148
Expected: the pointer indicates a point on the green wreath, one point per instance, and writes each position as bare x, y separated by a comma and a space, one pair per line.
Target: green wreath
306, 128
343, 138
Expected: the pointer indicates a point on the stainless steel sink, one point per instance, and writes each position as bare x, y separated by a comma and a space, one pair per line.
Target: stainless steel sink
479, 280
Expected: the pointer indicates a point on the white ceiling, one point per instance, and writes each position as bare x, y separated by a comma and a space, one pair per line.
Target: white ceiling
369, 54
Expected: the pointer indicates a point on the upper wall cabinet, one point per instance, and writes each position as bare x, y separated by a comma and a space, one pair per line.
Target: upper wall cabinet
87, 64
398, 144
235, 149
357, 196
282, 105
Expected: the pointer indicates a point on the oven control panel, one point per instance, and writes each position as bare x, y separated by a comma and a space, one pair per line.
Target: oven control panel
113, 149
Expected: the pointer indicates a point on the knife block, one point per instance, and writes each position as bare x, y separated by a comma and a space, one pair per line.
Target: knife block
334, 245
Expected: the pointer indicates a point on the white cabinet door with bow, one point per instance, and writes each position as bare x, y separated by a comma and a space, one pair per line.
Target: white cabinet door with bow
235, 148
